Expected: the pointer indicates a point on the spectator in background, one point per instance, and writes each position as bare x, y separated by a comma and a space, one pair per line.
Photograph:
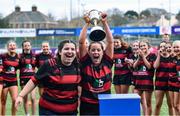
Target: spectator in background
10, 66
166, 37
60, 78
122, 73
96, 64
42, 57
27, 70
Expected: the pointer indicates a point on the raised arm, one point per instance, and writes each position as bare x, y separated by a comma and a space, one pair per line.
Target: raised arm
157, 61
82, 38
109, 38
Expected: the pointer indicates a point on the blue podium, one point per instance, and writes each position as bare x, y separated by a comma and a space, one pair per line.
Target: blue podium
119, 104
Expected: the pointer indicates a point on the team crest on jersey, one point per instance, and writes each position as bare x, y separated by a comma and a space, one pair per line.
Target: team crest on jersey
119, 63
11, 69
143, 68
178, 73
124, 51
175, 61
28, 66
98, 83
1, 61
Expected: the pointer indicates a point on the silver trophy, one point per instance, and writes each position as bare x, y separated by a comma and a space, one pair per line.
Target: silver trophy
97, 33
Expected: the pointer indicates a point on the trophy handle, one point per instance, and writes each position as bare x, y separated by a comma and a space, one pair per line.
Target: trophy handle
100, 15
99, 12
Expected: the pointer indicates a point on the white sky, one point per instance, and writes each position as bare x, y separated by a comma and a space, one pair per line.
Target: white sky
61, 8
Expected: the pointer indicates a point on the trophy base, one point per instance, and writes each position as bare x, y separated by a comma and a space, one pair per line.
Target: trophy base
97, 35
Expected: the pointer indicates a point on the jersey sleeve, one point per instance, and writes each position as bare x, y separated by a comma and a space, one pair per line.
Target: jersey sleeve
42, 73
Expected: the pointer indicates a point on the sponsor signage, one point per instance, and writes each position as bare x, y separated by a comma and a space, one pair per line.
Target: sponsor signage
175, 30
131, 31
76, 31
137, 30
8, 32
56, 32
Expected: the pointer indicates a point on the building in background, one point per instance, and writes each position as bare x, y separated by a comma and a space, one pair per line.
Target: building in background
29, 19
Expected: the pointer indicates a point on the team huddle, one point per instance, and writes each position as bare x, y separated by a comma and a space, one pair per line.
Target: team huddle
72, 79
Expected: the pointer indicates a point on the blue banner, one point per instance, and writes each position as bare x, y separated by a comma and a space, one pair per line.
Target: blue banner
135, 30
114, 30
175, 30
56, 32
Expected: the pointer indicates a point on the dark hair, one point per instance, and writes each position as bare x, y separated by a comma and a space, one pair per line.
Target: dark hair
58, 57
60, 47
62, 43
98, 42
123, 43
23, 45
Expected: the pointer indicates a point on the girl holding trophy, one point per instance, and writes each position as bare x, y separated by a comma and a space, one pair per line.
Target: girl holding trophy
96, 67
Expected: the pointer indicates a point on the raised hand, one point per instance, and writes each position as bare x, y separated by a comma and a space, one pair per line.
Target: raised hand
86, 17
103, 17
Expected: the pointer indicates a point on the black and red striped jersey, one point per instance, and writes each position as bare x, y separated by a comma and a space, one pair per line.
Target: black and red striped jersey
134, 57
178, 68
1, 69
173, 80
144, 76
172, 67
10, 66
60, 85
162, 74
41, 58
120, 67
27, 64
178, 72
95, 79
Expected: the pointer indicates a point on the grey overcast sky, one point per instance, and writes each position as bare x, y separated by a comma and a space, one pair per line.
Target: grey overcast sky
63, 8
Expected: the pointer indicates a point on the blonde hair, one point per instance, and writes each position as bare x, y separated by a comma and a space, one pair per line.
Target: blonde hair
145, 41
176, 42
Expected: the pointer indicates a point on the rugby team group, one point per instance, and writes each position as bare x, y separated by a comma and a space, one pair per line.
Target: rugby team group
71, 80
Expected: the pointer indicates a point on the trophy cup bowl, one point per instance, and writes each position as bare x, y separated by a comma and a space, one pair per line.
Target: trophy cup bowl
96, 33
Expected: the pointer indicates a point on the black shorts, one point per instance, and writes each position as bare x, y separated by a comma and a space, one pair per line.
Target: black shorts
23, 81
122, 80
174, 89
9, 84
163, 88
46, 112
89, 109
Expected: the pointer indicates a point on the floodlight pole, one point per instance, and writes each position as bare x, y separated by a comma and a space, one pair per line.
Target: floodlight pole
170, 12
70, 10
